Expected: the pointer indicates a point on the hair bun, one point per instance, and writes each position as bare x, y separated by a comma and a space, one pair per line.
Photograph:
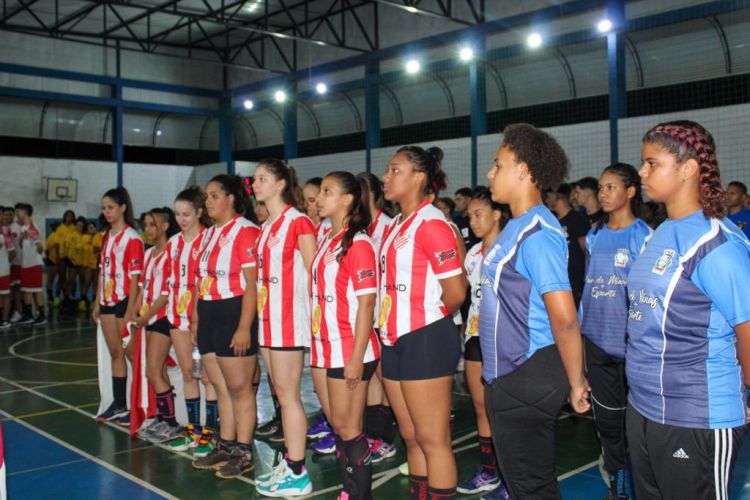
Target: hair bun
436, 154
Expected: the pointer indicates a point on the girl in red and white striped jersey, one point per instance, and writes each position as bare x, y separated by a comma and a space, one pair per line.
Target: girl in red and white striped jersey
344, 289
422, 285
159, 225
285, 251
183, 251
223, 319
121, 262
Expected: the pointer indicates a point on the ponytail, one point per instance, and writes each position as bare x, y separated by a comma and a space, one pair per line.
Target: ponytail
687, 140
196, 196
427, 161
235, 186
358, 218
292, 193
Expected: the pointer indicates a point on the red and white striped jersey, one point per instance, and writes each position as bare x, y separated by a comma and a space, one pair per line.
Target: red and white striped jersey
473, 266
30, 256
182, 264
322, 230
415, 255
228, 250
377, 228
335, 288
121, 259
154, 282
6, 245
283, 282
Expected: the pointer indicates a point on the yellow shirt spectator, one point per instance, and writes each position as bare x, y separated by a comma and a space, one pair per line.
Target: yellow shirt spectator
52, 246
63, 234
89, 257
75, 249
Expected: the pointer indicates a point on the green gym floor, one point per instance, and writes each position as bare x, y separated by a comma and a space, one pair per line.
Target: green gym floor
55, 449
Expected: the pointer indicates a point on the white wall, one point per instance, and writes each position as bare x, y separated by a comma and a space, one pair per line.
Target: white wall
24, 180
587, 146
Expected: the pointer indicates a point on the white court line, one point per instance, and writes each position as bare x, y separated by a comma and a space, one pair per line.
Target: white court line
97, 460
56, 384
573, 472
12, 351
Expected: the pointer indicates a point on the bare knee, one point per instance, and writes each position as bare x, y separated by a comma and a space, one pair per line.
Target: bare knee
287, 397
431, 440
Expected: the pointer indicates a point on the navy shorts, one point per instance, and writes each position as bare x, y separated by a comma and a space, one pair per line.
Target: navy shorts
162, 326
472, 351
118, 309
217, 323
367, 372
429, 352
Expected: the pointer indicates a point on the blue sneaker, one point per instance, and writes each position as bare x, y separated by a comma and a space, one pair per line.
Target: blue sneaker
617, 486
499, 493
284, 483
319, 429
112, 413
325, 446
124, 420
480, 482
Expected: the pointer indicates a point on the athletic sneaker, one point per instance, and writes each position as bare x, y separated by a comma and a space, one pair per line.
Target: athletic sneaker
112, 413
617, 482
343, 496
320, 428
15, 317
215, 459
240, 461
268, 428
325, 446
124, 421
380, 450
164, 433
277, 436
284, 483
480, 482
4, 325
206, 443
25, 320
40, 320
56, 302
147, 427
499, 493
403, 469
188, 439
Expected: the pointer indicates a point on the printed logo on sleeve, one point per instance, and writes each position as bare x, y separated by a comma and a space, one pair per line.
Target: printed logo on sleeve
363, 274
663, 262
444, 256
622, 257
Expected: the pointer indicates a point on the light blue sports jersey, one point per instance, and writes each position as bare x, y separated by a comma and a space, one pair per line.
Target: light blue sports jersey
604, 306
687, 291
528, 260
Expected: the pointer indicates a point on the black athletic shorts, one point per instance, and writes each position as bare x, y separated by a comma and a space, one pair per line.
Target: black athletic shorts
472, 351
293, 348
162, 326
367, 373
428, 352
118, 309
217, 324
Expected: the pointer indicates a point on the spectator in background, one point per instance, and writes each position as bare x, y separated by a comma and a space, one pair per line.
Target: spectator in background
447, 206
736, 210
32, 263
310, 193
576, 227
573, 198
51, 256
261, 212
462, 197
587, 194
747, 201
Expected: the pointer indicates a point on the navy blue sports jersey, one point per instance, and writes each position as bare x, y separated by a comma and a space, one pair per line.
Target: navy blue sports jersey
742, 220
604, 307
528, 260
687, 291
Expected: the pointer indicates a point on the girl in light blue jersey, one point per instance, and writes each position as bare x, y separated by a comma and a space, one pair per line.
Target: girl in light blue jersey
611, 248
688, 324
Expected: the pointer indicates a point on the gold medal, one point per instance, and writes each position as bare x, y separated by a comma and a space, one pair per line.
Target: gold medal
316, 320
109, 286
184, 302
206, 285
385, 310
144, 309
262, 298
474, 324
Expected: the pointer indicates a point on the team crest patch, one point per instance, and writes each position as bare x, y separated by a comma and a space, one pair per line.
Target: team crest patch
224, 240
272, 241
622, 257
400, 241
444, 256
194, 253
363, 274
330, 256
663, 262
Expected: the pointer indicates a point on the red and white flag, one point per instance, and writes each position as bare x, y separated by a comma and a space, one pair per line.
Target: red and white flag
3, 495
142, 395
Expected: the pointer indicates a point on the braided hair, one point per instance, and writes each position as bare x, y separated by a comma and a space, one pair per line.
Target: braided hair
685, 140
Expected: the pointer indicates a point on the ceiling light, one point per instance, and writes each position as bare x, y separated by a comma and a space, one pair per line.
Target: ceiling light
604, 26
247, 104
534, 40
412, 66
321, 88
411, 9
158, 132
466, 54
280, 96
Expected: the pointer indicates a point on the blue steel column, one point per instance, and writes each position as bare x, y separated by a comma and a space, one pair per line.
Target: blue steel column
372, 110
225, 134
118, 150
478, 88
616, 70
290, 122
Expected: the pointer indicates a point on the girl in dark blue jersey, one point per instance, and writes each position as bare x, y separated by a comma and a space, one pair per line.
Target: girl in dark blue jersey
611, 248
688, 323
531, 344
